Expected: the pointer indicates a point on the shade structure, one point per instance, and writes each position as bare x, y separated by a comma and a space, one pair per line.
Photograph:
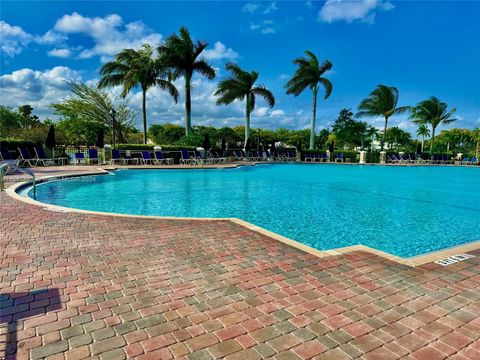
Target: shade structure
50, 142
331, 147
100, 139
419, 148
206, 142
224, 144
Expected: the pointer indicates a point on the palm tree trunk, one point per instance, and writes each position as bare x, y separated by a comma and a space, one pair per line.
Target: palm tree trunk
478, 148
144, 109
314, 116
188, 107
247, 121
433, 138
423, 140
384, 134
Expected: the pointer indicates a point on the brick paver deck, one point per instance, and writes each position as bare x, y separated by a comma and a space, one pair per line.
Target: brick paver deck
76, 286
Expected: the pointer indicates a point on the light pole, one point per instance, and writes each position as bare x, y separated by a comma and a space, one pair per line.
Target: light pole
112, 113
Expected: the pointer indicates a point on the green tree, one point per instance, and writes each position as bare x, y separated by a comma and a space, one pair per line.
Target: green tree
10, 121
432, 112
165, 134
309, 74
423, 131
382, 101
241, 86
132, 68
89, 103
476, 138
182, 55
396, 137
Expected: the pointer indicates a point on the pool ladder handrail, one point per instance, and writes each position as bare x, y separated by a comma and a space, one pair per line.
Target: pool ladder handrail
3, 171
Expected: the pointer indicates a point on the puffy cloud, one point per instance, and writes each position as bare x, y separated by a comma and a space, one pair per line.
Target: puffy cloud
109, 34
13, 39
278, 112
62, 53
261, 111
250, 8
220, 51
270, 8
37, 88
264, 27
350, 11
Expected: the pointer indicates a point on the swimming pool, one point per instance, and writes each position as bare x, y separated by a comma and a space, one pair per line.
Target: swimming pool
405, 211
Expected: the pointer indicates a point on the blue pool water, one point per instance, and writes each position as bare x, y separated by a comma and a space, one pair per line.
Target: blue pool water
405, 211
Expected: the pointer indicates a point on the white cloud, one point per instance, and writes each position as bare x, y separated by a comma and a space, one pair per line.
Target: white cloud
109, 34
264, 27
37, 88
61, 53
13, 39
250, 8
261, 111
270, 8
351, 11
220, 51
278, 112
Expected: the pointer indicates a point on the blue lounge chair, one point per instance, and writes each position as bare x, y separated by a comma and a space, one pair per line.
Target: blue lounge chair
78, 158
308, 157
116, 158
185, 158
5, 153
42, 158
26, 158
238, 155
93, 156
161, 159
146, 158
340, 157
474, 161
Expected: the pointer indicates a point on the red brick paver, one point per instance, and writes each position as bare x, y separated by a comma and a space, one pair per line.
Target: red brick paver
80, 285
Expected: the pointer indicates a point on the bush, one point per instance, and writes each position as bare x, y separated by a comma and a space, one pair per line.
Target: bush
150, 147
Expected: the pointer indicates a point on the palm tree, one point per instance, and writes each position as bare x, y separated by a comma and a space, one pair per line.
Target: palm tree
132, 68
183, 56
240, 86
382, 101
423, 131
433, 112
476, 138
309, 74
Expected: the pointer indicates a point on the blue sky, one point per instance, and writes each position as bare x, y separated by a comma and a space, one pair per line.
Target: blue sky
423, 48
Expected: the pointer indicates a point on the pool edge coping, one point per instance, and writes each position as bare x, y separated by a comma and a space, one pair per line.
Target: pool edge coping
413, 261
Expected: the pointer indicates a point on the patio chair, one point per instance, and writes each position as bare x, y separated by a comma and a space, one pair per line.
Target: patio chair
116, 158
78, 158
42, 157
238, 155
26, 158
93, 156
219, 158
446, 160
308, 157
474, 161
161, 159
147, 159
185, 158
340, 157
5, 154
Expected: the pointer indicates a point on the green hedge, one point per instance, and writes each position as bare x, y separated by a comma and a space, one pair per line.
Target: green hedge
150, 147
12, 144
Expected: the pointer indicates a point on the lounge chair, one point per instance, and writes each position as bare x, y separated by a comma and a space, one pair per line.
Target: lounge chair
186, 159
41, 157
147, 159
93, 156
5, 153
308, 157
78, 158
238, 155
161, 159
474, 161
340, 157
116, 158
446, 160
26, 158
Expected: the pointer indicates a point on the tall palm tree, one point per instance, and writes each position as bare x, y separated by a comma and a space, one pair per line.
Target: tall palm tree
423, 131
382, 101
309, 74
476, 138
432, 112
241, 86
183, 56
132, 68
